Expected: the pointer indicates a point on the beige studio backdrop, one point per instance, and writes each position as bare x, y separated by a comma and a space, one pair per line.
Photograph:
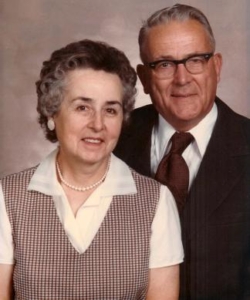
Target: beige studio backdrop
32, 29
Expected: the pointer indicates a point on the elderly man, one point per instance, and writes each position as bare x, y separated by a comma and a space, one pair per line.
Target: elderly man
193, 142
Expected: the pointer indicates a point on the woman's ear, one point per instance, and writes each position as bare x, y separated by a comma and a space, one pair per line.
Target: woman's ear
144, 77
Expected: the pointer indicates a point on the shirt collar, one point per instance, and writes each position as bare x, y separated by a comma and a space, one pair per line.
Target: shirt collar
201, 132
44, 179
119, 180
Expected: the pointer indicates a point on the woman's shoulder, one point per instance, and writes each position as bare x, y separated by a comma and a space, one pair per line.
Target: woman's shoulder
19, 175
145, 179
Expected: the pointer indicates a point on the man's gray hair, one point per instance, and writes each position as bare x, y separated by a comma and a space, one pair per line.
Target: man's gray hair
177, 12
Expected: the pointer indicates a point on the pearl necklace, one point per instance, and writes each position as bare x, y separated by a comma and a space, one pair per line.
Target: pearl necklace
81, 189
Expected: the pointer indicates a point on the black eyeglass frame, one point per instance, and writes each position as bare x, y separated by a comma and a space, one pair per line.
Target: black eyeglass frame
206, 56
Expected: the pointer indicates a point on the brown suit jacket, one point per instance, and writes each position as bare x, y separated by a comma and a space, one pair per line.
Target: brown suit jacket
216, 218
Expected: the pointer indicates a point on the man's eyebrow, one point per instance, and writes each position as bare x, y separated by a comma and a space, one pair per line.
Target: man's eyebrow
170, 57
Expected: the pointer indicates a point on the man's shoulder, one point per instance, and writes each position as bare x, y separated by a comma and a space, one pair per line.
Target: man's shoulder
149, 108
233, 123
225, 109
142, 119
143, 114
135, 137
229, 114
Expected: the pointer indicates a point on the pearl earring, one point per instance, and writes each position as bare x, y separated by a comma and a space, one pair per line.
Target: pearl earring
51, 124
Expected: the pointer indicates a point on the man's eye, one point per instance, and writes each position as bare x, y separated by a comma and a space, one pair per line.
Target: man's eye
196, 60
165, 64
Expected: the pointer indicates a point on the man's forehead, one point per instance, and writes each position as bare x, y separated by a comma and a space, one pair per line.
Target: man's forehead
181, 36
177, 27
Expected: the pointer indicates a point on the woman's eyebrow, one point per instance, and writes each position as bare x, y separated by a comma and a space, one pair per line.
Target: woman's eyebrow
91, 100
84, 99
114, 102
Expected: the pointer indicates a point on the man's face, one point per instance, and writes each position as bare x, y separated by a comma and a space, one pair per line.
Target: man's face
184, 99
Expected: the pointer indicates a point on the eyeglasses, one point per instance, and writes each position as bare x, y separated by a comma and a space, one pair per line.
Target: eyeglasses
194, 64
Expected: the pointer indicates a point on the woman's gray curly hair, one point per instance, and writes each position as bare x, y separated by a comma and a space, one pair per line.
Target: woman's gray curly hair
80, 55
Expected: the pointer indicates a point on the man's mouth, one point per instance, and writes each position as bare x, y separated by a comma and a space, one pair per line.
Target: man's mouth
180, 95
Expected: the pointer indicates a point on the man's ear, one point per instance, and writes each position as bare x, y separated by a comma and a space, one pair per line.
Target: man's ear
218, 65
144, 77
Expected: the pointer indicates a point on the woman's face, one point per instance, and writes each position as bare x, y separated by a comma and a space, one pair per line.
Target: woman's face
89, 122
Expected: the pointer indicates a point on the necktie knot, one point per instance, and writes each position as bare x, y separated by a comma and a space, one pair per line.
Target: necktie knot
173, 170
180, 141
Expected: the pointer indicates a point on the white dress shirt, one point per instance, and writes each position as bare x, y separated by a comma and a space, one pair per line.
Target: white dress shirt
165, 245
193, 154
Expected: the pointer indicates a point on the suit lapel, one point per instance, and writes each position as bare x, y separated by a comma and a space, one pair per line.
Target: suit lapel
221, 168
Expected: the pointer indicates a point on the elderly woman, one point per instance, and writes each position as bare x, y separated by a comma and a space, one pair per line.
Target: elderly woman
81, 224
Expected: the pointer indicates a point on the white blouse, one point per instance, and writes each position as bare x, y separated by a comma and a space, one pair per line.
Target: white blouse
165, 245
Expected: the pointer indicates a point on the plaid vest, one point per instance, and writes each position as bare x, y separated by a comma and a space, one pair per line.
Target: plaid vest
47, 266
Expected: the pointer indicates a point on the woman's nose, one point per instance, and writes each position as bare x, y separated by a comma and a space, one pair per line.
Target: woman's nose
97, 121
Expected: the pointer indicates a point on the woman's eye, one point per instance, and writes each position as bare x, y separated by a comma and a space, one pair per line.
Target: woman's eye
111, 111
82, 108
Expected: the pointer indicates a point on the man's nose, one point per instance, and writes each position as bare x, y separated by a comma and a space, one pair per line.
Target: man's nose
182, 76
